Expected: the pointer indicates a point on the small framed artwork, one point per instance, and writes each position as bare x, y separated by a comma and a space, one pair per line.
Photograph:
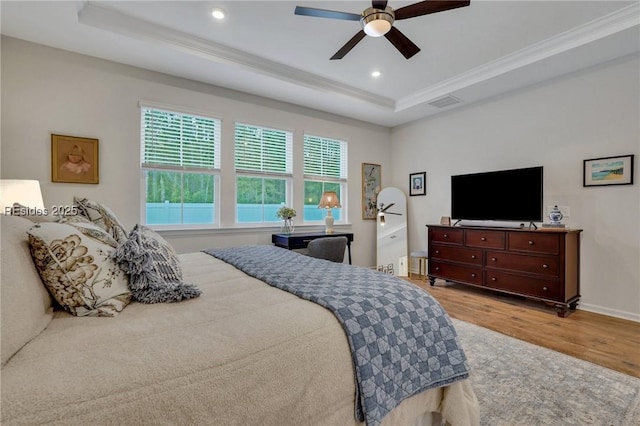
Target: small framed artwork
371, 186
608, 171
74, 159
418, 183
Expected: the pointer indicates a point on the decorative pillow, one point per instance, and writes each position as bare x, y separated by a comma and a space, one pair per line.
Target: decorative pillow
89, 229
102, 216
26, 307
77, 270
154, 270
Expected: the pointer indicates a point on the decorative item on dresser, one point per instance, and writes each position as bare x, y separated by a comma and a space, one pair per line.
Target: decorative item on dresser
537, 264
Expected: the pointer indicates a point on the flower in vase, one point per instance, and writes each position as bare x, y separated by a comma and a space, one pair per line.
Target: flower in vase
285, 212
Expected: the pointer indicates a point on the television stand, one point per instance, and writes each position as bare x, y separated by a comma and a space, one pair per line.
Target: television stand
536, 264
532, 225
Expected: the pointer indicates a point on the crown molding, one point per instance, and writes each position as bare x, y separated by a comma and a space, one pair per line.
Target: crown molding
116, 22
129, 26
607, 25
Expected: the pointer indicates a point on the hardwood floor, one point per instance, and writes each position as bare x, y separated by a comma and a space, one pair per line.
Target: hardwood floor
611, 342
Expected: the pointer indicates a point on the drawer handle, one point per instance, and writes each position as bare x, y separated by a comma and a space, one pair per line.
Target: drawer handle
473, 275
530, 243
483, 239
445, 236
437, 268
545, 288
494, 279
473, 256
494, 259
545, 266
437, 251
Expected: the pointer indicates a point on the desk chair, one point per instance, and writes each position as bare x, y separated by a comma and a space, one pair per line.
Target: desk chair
329, 248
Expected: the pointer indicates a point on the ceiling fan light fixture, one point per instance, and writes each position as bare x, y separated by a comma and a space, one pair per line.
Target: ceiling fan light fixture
218, 13
377, 22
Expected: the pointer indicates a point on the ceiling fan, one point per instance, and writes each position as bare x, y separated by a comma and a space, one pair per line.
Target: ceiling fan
378, 20
383, 210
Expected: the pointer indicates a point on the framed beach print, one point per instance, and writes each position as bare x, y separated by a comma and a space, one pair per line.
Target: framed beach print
608, 171
418, 183
74, 159
371, 186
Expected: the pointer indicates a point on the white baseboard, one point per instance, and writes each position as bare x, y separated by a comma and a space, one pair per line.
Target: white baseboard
609, 312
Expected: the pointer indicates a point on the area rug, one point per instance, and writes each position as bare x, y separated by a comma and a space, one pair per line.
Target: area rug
518, 383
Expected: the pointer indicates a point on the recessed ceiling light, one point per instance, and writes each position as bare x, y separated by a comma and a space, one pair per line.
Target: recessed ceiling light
217, 13
376, 74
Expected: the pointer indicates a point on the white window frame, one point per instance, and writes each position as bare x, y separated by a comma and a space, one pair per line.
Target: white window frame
188, 169
261, 173
342, 179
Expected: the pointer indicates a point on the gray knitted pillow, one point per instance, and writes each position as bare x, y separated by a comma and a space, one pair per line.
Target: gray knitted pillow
154, 270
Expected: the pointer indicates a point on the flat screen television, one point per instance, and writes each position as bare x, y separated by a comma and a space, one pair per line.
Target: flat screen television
504, 195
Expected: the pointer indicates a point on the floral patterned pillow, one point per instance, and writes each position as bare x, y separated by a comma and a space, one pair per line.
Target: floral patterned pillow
102, 216
76, 268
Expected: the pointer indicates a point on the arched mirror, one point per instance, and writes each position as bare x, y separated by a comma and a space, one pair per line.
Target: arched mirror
392, 247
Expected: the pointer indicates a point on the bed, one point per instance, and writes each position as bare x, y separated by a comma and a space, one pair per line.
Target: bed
242, 353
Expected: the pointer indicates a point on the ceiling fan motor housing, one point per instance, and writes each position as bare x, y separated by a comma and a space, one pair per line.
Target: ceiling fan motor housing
377, 22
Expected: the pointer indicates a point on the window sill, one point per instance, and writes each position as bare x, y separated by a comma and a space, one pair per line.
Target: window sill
175, 231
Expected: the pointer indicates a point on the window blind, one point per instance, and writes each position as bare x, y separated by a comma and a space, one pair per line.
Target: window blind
179, 141
326, 158
263, 150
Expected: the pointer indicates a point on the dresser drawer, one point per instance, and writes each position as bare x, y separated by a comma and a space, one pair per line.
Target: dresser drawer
485, 239
456, 254
449, 236
519, 262
467, 274
547, 289
534, 242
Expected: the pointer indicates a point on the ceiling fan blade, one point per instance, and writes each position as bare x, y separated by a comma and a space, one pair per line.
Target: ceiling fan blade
427, 7
402, 43
397, 214
379, 4
322, 13
350, 45
384, 209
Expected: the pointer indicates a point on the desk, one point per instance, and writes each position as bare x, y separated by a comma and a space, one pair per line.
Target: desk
299, 240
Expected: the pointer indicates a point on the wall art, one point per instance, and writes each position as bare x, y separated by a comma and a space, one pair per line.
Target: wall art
371, 186
608, 171
74, 159
418, 183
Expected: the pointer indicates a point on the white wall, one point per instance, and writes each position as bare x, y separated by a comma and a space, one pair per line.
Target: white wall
48, 91
557, 125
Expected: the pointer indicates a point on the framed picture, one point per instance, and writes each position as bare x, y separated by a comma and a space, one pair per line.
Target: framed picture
418, 183
74, 159
371, 186
608, 171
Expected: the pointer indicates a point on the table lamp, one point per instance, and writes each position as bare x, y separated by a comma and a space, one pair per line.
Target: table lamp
329, 201
25, 192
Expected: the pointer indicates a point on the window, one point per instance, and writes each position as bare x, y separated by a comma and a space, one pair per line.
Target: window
180, 167
264, 172
325, 169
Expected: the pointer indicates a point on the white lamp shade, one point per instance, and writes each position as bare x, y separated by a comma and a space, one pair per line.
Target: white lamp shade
25, 192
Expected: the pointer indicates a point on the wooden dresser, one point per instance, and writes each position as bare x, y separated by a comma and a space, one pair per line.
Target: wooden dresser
538, 264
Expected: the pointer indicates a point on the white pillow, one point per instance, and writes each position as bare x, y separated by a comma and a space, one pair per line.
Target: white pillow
102, 216
26, 305
76, 268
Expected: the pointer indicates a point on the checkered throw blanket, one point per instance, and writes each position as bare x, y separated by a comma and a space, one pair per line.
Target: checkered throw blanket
402, 342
